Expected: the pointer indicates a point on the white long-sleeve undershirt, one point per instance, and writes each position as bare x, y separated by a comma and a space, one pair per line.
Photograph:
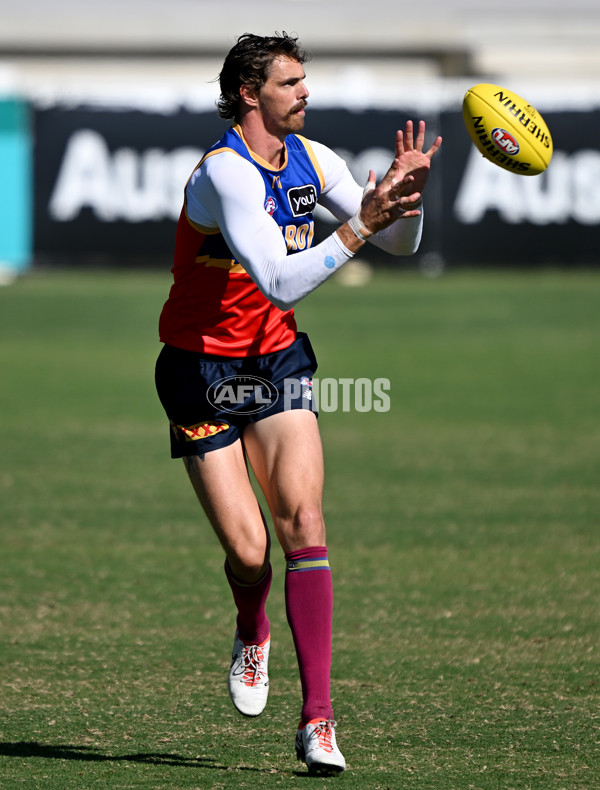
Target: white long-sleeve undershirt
227, 193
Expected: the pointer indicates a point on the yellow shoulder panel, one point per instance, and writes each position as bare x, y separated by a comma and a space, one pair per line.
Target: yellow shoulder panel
205, 157
200, 228
217, 151
313, 159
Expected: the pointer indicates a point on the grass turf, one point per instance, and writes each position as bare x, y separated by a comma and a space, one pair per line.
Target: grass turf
463, 531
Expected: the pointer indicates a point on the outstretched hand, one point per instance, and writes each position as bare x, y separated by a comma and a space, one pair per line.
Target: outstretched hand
398, 195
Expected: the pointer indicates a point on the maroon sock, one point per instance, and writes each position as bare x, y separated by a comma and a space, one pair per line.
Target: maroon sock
252, 621
309, 607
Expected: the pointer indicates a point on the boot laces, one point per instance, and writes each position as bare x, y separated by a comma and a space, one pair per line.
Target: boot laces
323, 732
251, 659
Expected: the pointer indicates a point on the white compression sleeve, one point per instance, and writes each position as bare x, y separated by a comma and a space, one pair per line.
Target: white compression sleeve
342, 196
228, 193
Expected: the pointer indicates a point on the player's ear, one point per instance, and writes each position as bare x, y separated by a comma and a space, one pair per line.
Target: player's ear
248, 94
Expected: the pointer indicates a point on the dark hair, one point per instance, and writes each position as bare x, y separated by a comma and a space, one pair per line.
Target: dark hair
248, 63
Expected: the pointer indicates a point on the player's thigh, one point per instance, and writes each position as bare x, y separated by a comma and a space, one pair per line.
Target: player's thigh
286, 455
220, 480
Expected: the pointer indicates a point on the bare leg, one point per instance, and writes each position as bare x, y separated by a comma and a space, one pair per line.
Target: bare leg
223, 487
285, 453
221, 482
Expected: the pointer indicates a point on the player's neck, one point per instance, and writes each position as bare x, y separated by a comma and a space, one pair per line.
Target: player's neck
267, 145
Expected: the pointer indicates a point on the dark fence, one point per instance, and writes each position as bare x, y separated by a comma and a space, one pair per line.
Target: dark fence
108, 186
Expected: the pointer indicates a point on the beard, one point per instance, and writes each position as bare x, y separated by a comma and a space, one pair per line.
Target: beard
295, 120
290, 123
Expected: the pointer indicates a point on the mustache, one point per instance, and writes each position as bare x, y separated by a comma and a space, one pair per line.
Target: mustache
297, 107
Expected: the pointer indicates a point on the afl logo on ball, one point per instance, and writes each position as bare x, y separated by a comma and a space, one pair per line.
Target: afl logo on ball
505, 141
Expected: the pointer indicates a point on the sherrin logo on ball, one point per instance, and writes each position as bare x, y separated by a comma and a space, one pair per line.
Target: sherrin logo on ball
507, 130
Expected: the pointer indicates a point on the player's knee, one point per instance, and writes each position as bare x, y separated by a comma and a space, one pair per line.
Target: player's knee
250, 562
305, 526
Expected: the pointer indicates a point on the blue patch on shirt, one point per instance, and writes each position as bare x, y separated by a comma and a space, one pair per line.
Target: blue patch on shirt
329, 262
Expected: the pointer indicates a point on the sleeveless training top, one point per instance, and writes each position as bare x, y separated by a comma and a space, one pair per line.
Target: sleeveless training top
214, 306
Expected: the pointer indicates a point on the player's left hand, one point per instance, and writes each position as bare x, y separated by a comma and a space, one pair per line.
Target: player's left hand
399, 192
410, 169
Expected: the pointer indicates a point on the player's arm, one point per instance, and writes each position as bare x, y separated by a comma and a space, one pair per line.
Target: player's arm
397, 197
342, 196
228, 193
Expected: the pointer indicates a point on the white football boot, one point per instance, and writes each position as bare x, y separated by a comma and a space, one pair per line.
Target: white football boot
315, 744
248, 676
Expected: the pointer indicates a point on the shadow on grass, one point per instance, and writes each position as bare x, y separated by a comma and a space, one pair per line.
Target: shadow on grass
89, 754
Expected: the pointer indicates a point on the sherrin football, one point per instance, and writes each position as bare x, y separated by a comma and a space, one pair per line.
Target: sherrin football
507, 130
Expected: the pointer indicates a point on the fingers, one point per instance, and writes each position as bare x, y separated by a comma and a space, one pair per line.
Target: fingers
407, 202
398, 187
420, 136
408, 136
371, 183
434, 148
406, 141
399, 143
408, 213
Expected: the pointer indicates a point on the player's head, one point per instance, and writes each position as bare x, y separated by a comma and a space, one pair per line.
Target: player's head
248, 63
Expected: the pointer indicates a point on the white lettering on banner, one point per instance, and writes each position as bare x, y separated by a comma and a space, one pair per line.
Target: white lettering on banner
586, 182
83, 179
140, 186
568, 190
129, 185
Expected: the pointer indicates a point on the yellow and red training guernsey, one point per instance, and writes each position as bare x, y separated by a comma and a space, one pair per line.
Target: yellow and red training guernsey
214, 306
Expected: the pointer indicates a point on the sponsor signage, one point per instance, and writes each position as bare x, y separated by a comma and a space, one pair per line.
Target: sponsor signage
303, 200
109, 185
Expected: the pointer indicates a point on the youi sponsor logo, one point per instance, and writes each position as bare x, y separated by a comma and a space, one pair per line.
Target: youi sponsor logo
302, 199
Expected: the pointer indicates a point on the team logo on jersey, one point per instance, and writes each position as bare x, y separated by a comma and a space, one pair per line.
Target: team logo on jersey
505, 141
270, 205
302, 199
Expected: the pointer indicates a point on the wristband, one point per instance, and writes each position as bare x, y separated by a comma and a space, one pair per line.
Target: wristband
357, 227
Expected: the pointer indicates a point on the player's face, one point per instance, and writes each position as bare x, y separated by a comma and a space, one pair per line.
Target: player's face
283, 97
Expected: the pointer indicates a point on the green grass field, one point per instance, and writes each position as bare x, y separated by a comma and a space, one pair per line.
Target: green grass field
463, 531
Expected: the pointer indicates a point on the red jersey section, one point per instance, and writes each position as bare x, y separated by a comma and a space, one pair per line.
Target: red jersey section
214, 306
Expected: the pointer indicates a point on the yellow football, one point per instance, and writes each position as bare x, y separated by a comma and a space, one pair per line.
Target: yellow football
507, 130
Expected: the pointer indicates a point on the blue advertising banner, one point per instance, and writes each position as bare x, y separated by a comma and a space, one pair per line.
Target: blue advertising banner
16, 219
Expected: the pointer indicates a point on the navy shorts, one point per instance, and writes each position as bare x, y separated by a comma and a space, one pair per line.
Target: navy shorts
209, 400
